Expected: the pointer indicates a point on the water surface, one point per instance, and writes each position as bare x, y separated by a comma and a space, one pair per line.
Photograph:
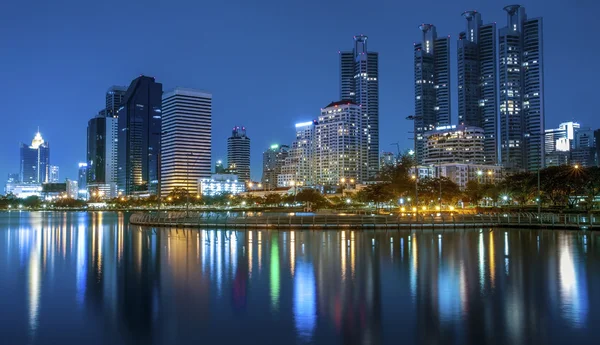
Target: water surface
90, 278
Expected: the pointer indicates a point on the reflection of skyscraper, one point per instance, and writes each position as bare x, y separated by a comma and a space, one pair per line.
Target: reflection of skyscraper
35, 161
140, 128
305, 299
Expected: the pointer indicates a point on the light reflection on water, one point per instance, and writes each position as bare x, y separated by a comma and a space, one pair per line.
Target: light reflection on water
124, 285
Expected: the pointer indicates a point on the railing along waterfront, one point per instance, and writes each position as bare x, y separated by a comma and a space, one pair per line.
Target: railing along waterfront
404, 221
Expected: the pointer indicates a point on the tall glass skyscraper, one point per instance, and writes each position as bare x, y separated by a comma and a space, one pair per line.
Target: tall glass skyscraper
186, 140
432, 84
521, 91
35, 161
477, 85
359, 82
140, 128
238, 153
102, 142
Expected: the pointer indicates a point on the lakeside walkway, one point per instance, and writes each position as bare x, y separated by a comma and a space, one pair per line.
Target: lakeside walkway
344, 221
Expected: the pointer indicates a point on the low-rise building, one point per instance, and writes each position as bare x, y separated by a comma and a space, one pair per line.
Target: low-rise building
220, 184
454, 144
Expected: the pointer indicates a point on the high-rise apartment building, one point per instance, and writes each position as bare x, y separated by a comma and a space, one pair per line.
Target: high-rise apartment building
274, 159
298, 166
186, 139
114, 99
359, 82
454, 144
238, 153
35, 161
432, 85
54, 174
521, 85
387, 159
140, 129
337, 145
477, 84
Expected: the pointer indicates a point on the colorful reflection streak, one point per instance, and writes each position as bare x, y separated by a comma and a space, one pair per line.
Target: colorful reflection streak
119, 284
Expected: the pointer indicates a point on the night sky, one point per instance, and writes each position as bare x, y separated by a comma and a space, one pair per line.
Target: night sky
268, 63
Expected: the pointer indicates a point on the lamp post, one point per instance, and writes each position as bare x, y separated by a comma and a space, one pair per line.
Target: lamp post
414, 118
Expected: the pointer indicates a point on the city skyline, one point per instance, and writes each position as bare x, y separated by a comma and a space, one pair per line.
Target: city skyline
390, 40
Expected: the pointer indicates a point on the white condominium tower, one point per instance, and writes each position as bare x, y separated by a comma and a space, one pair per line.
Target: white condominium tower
338, 144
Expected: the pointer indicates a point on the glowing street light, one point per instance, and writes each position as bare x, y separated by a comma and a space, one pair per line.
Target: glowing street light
343, 180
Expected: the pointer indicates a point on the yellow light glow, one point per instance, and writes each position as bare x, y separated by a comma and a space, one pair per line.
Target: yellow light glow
424, 208
403, 209
451, 208
343, 180
414, 209
437, 208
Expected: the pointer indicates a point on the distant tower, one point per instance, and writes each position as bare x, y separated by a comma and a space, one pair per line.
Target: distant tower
274, 159
521, 77
186, 139
238, 153
54, 174
432, 84
477, 86
35, 161
140, 129
359, 82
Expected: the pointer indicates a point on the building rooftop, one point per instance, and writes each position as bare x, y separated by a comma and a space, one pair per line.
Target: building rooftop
341, 102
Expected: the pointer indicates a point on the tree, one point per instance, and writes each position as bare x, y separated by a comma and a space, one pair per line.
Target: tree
430, 190
474, 192
272, 199
379, 193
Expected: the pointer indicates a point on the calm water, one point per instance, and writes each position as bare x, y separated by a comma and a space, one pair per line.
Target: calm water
89, 278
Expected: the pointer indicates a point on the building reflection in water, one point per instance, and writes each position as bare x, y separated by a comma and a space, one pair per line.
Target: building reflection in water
175, 286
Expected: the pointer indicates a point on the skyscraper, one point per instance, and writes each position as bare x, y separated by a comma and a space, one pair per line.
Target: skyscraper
274, 159
432, 85
140, 128
35, 161
359, 82
82, 180
298, 166
238, 153
54, 174
477, 85
114, 98
338, 143
521, 91
102, 135
186, 139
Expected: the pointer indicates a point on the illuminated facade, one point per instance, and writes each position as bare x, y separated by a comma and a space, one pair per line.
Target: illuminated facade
238, 153
54, 174
221, 184
140, 129
298, 166
338, 144
186, 139
432, 85
521, 77
35, 161
463, 173
477, 85
454, 144
359, 82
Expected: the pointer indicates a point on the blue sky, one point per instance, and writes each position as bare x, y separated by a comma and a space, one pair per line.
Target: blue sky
269, 64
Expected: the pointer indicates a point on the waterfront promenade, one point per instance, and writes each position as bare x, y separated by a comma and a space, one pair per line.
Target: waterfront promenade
340, 221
